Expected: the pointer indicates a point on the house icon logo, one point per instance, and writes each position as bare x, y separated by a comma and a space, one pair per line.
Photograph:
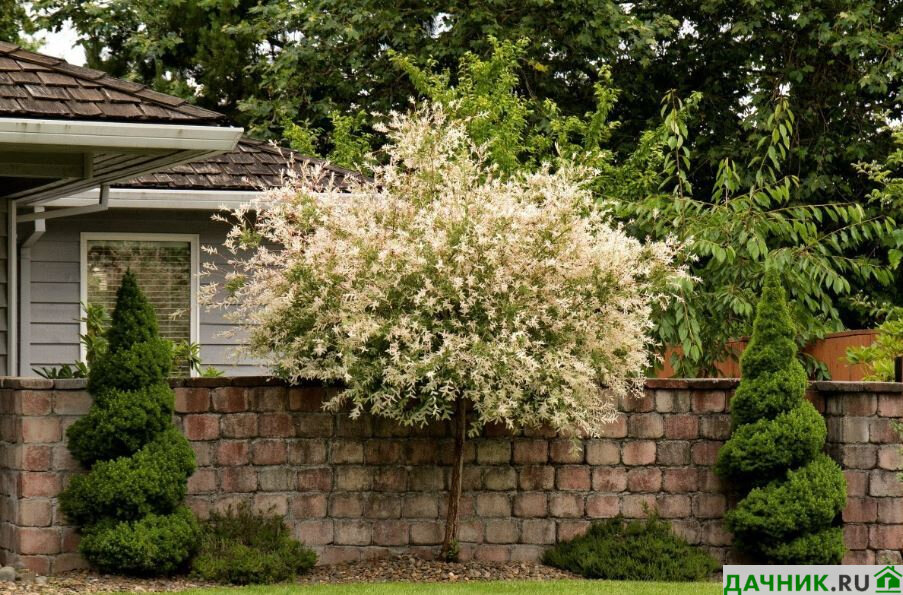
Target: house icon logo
887, 580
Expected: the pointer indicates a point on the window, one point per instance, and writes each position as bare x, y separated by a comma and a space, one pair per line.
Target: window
166, 267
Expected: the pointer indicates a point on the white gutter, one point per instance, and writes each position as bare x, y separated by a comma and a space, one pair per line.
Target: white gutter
117, 135
12, 284
24, 316
158, 198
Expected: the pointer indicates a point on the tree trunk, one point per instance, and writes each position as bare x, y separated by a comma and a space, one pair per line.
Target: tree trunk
449, 545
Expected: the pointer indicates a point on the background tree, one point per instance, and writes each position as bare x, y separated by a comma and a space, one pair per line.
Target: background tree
794, 493
440, 290
129, 505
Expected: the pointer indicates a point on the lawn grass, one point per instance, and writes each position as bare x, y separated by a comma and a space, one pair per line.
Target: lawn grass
574, 587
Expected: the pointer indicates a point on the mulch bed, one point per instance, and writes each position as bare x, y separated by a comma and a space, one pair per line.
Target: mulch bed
403, 568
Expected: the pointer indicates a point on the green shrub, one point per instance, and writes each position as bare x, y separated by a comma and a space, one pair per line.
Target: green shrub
154, 544
632, 550
794, 493
128, 506
246, 548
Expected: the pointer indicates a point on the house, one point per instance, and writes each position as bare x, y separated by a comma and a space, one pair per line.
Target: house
98, 175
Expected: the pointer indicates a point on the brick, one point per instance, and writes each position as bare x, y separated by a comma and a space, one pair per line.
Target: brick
530, 452
203, 481
311, 425
681, 427
232, 452
390, 479
36, 457
420, 452
603, 452
687, 530
268, 398
383, 452
673, 453
890, 457
680, 480
306, 452
504, 478
501, 531
648, 479
339, 554
390, 533
565, 505
276, 425
34, 402
614, 429
855, 537
309, 506
530, 504
668, 401
536, 531
470, 531
715, 534
885, 483
566, 451
317, 532
353, 478
709, 482
609, 479
493, 505
859, 557
317, 479
859, 456
637, 505
526, 553
890, 511
707, 401
38, 485
602, 506
493, 452
885, 537
346, 505
40, 565
859, 404
857, 482
270, 504
352, 532
230, 399
639, 452
649, 425
854, 429
41, 429
71, 402
383, 507
34, 512
427, 533
237, 479
571, 529
641, 404
674, 506
860, 510
68, 562
426, 479
890, 405
715, 427
708, 506
492, 553
536, 478
276, 479
201, 427
239, 425
573, 478
420, 506
192, 400
203, 453
306, 398
269, 452
705, 453
62, 460
882, 431
34, 540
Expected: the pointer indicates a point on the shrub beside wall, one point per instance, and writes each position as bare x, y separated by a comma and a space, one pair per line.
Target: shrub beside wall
129, 505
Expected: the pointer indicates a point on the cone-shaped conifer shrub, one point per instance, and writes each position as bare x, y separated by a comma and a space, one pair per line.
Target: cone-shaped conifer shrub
793, 492
129, 505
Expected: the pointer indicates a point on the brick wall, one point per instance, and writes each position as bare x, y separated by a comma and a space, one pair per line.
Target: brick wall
365, 487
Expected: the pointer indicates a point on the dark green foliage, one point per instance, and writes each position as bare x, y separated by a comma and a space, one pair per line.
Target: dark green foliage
246, 548
789, 515
128, 506
121, 423
632, 550
155, 544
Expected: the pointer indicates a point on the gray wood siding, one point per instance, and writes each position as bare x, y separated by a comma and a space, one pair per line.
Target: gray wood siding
55, 283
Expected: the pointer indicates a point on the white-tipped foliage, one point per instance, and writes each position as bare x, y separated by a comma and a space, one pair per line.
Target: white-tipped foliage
440, 279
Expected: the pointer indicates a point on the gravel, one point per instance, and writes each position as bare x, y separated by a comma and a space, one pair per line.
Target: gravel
402, 568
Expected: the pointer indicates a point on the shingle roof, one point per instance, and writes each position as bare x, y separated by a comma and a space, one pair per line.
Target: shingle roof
253, 165
38, 86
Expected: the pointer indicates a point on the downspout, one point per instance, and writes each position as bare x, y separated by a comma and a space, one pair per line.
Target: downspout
12, 284
20, 317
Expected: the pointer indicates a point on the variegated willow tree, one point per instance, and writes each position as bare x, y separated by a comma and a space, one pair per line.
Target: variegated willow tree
440, 289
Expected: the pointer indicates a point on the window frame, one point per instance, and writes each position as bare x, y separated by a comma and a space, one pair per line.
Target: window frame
194, 323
